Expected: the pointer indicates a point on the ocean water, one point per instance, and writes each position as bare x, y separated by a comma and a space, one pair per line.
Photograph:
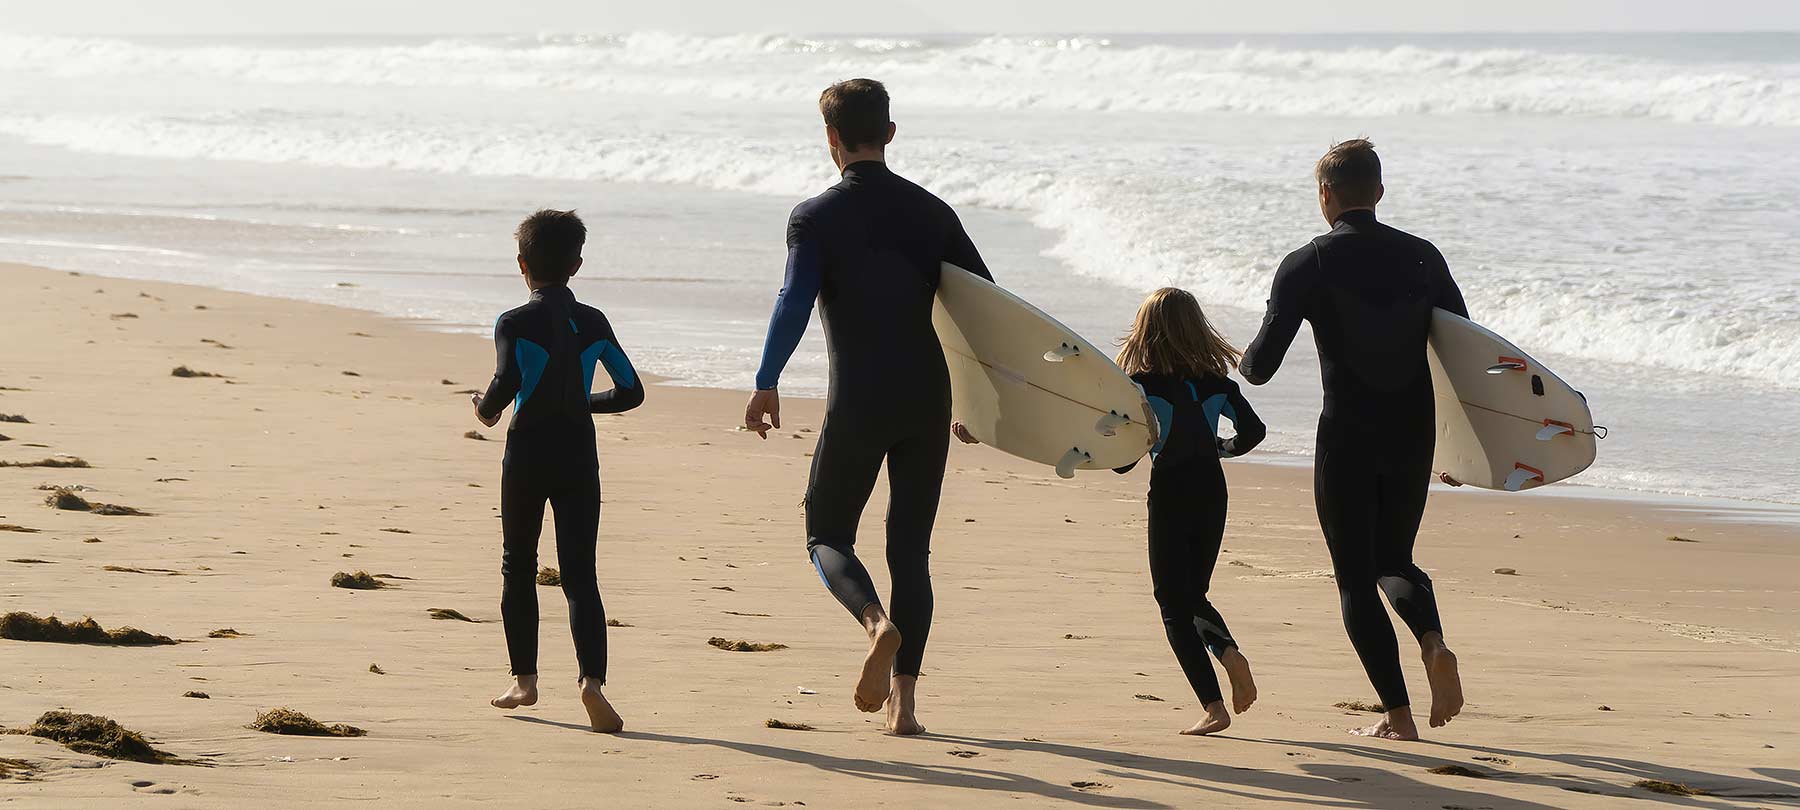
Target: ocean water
1622, 206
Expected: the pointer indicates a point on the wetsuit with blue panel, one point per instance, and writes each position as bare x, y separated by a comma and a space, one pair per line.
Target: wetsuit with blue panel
868, 250
549, 351
1187, 511
1368, 290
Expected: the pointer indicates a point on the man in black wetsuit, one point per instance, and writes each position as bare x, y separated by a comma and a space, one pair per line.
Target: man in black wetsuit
548, 349
869, 250
1368, 290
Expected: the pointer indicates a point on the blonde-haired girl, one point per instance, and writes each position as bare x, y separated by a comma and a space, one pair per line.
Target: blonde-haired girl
1181, 362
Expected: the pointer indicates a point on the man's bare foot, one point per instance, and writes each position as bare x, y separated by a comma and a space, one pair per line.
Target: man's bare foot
1446, 684
1397, 726
878, 667
600, 713
522, 693
901, 720
1243, 687
1216, 720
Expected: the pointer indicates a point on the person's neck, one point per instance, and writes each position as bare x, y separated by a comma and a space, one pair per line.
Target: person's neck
866, 156
1368, 209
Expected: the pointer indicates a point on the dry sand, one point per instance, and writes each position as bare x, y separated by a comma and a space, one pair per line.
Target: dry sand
265, 482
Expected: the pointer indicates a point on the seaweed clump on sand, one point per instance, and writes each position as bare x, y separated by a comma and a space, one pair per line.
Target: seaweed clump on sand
60, 463
451, 614
21, 626
549, 576
199, 695
16, 769
14, 527
359, 581
1669, 788
96, 736
225, 632
786, 726
184, 371
476, 435
288, 721
70, 500
1359, 706
15, 418
1457, 770
740, 645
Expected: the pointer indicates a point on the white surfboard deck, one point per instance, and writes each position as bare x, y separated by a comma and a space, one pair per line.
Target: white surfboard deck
1023, 383
1504, 421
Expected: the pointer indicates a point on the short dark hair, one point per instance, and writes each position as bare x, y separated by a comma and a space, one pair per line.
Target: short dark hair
550, 242
858, 110
1352, 171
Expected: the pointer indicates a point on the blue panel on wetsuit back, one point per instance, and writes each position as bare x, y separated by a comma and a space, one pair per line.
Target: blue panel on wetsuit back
1213, 406
1165, 418
532, 360
616, 365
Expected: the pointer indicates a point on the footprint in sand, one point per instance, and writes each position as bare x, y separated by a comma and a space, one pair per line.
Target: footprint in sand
147, 786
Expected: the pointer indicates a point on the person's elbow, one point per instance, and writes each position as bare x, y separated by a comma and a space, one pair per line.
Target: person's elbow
1252, 374
632, 397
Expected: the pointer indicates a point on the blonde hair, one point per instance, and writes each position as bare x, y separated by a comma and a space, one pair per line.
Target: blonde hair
1170, 335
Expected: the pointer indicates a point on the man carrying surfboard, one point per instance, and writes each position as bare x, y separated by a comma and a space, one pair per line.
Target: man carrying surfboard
868, 250
1368, 290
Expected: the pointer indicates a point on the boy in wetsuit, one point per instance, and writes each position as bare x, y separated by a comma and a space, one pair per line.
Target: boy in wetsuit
1368, 290
548, 350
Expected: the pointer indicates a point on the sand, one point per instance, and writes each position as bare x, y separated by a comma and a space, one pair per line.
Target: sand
264, 482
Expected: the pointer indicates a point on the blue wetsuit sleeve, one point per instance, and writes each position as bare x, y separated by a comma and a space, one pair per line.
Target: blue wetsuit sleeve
1250, 428
962, 253
627, 390
1287, 308
505, 385
793, 307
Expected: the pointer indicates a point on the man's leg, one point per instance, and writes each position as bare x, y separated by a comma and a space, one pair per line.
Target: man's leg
577, 510
845, 465
521, 521
915, 481
1402, 499
1344, 492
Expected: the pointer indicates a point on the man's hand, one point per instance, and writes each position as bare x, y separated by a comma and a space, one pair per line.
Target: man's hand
959, 431
763, 403
476, 398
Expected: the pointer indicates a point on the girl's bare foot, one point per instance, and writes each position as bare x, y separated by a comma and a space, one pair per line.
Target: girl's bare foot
901, 720
600, 713
878, 666
1397, 726
522, 693
1446, 684
1243, 687
1216, 720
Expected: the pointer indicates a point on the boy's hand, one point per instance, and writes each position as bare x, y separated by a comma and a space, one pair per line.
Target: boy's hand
962, 433
763, 403
476, 398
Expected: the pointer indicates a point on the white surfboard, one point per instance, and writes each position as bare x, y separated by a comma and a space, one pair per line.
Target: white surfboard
1504, 421
1025, 384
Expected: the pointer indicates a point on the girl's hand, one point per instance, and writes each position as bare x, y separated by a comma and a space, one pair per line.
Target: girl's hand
476, 398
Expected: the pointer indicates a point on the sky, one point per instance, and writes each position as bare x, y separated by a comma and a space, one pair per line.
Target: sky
886, 16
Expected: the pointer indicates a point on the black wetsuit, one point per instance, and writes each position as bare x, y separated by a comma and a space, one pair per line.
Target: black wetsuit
1368, 291
1187, 511
548, 350
869, 249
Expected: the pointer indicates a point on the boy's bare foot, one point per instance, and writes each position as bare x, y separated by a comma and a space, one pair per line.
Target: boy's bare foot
901, 720
1216, 720
522, 693
1243, 687
1446, 684
600, 713
1397, 726
878, 667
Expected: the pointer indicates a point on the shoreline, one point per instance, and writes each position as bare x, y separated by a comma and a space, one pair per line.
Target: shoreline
333, 443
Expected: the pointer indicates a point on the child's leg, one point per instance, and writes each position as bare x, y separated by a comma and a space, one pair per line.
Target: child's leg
1171, 575
521, 521
1208, 539
577, 511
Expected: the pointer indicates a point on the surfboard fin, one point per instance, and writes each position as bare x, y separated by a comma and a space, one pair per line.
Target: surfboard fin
1553, 429
1506, 364
1520, 475
1109, 424
1066, 467
1061, 353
